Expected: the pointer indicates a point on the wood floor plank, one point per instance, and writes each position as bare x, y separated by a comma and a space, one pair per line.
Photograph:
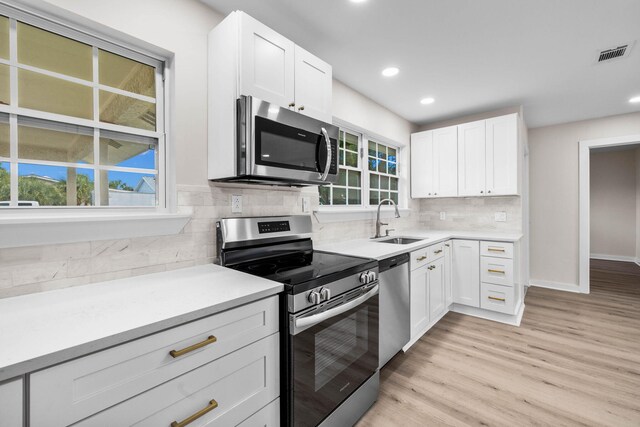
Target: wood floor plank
575, 360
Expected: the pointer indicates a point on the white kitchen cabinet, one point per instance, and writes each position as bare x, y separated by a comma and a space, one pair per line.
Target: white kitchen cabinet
422, 165
437, 292
447, 273
11, 406
502, 155
428, 288
471, 159
466, 272
313, 86
445, 162
419, 307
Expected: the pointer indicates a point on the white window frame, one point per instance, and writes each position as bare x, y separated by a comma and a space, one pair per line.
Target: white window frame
17, 223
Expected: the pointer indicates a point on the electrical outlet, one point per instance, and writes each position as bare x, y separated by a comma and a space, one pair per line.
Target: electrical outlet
501, 216
306, 201
443, 216
236, 203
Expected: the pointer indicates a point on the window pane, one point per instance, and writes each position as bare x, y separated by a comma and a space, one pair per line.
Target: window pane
4, 138
354, 179
127, 111
341, 139
5, 97
354, 197
44, 93
352, 159
131, 189
341, 157
373, 198
394, 183
382, 166
121, 151
40, 185
342, 177
52, 52
374, 180
384, 195
5, 184
373, 164
325, 195
372, 149
38, 142
392, 169
4, 37
394, 197
126, 74
339, 196
384, 182
382, 151
392, 154
351, 142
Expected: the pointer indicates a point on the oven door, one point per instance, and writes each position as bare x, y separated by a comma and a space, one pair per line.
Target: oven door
333, 350
287, 145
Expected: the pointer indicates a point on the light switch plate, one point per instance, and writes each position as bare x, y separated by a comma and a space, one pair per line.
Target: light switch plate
236, 203
501, 216
443, 216
306, 201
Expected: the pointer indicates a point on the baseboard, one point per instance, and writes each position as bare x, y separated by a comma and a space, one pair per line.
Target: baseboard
567, 287
606, 257
509, 319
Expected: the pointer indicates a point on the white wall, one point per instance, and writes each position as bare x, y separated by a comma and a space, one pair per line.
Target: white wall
554, 184
613, 204
638, 206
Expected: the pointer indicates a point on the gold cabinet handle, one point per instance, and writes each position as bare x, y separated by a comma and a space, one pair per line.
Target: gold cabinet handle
210, 407
178, 353
438, 251
496, 271
496, 299
495, 249
446, 244
421, 258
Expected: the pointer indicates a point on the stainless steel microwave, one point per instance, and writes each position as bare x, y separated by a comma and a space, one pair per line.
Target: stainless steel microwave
278, 146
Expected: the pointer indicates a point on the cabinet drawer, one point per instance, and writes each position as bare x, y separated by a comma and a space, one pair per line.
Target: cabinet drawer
69, 392
426, 255
11, 405
497, 298
269, 416
496, 249
233, 386
496, 270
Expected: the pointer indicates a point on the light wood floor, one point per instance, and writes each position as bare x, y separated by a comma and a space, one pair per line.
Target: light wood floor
575, 360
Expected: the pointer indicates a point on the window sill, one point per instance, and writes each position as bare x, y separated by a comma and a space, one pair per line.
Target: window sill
326, 215
29, 230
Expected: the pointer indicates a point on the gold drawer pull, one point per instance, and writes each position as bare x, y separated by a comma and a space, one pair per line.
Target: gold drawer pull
421, 258
210, 407
495, 249
496, 271
438, 251
497, 299
178, 353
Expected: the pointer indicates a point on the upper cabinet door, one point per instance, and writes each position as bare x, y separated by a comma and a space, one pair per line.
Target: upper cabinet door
266, 63
422, 161
313, 86
471, 159
445, 154
502, 155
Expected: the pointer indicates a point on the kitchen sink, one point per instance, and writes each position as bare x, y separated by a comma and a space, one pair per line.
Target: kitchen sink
400, 240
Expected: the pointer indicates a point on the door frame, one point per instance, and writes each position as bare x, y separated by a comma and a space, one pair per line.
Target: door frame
585, 147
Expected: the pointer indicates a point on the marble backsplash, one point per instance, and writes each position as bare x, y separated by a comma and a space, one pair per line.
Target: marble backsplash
471, 213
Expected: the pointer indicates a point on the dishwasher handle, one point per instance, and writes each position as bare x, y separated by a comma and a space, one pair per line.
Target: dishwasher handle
392, 262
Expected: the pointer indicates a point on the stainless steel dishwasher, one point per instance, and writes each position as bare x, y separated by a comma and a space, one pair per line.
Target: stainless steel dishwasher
395, 327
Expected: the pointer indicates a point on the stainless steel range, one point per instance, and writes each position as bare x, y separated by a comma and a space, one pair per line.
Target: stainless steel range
330, 309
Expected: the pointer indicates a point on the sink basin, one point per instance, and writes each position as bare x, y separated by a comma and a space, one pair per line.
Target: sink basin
400, 240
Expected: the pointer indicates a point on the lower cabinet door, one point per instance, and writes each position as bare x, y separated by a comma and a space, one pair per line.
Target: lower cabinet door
419, 306
220, 393
269, 416
466, 272
11, 406
437, 293
447, 274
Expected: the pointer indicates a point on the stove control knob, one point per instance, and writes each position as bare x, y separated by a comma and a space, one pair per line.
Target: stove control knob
372, 276
364, 278
325, 294
313, 297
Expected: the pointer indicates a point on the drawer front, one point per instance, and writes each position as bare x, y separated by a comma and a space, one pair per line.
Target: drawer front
426, 255
435, 251
497, 298
231, 387
69, 392
498, 271
269, 416
11, 405
496, 249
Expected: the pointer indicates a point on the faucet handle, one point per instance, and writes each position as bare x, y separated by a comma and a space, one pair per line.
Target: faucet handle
386, 232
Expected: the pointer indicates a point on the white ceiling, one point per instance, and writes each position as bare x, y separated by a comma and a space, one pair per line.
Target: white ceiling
470, 55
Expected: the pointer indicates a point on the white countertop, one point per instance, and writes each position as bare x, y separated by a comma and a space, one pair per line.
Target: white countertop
369, 248
43, 329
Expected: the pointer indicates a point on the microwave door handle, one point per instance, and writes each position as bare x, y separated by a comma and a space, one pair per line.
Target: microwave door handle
327, 166
306, 322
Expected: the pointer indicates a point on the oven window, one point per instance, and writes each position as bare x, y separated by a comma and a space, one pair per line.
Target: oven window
339, 346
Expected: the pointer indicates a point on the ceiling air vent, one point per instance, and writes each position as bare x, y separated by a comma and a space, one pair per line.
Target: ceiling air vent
613, 53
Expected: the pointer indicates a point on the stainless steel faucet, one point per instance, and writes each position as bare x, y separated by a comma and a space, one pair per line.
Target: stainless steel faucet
378, 222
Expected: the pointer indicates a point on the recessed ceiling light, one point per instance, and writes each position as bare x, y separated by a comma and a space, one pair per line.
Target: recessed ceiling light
390, 72
635, 99
427, 101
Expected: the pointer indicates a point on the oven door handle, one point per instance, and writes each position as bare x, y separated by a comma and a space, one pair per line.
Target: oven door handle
306, 322
327, 165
